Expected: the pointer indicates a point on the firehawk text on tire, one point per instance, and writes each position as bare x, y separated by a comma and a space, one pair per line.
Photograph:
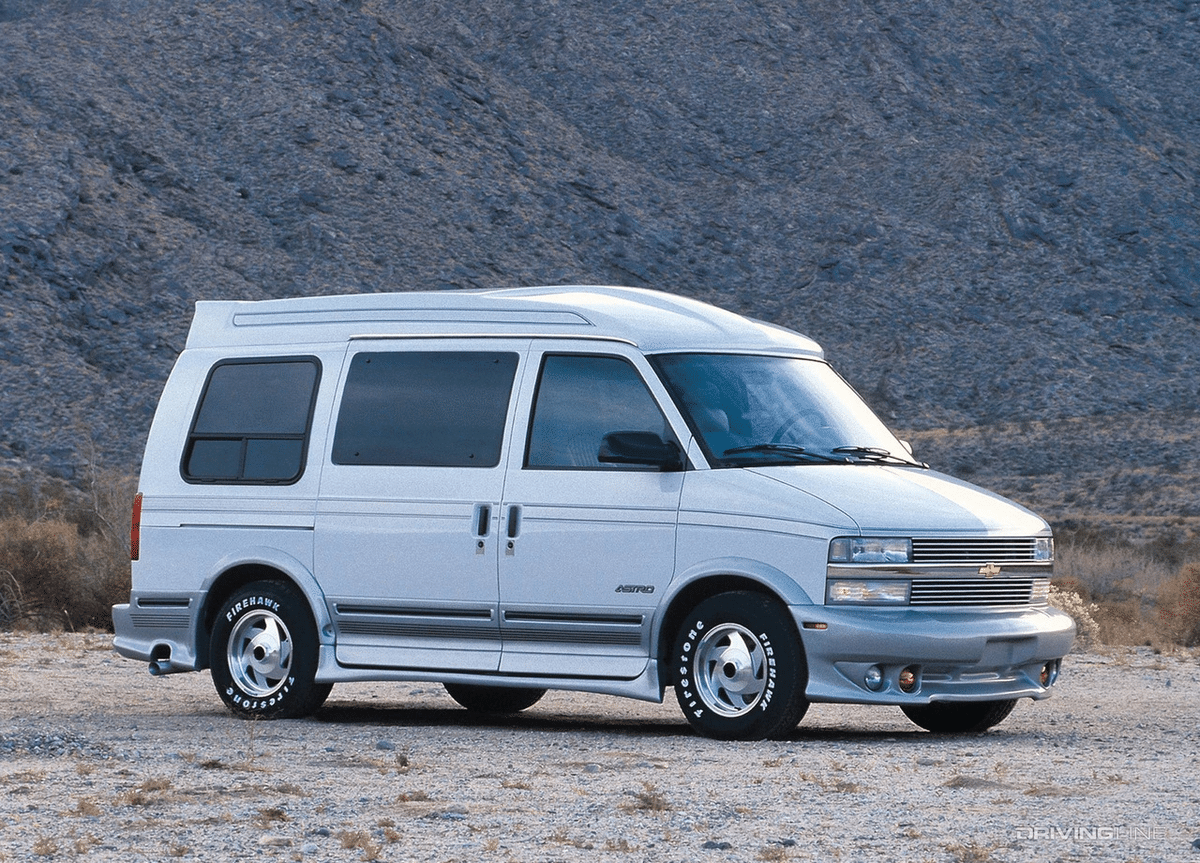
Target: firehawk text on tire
264, 653
739, 668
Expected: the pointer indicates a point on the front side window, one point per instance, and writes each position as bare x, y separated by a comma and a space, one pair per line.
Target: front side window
253, 422
747, 410
580, 400
425, 409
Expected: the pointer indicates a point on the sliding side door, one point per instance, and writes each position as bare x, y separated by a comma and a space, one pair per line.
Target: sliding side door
406, 543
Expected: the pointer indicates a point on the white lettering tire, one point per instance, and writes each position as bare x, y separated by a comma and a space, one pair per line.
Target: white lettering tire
264, 653
739, 668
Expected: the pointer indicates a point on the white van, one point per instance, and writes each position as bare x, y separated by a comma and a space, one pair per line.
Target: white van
600, 489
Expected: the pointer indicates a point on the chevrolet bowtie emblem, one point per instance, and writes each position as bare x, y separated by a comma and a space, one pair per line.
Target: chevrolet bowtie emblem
988, 570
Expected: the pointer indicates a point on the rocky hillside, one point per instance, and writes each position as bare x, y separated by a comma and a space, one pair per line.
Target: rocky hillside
987, 212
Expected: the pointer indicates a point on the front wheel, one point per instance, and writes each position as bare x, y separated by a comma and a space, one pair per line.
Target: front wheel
493, 699
740, 670
264, 653
959, 717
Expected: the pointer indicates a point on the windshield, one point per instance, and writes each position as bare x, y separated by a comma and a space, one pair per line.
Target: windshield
775, 410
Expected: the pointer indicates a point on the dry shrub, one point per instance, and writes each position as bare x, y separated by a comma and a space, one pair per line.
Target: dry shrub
1101, 570
361, 840
1087, 630
1133, 594
650, 799
1179, 607
64, 554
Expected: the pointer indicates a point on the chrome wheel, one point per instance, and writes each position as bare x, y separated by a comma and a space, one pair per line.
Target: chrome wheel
259, 653
730, 670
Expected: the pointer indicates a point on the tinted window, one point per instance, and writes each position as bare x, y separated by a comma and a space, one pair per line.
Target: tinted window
580, 399
430, 409
253, 421
763, 409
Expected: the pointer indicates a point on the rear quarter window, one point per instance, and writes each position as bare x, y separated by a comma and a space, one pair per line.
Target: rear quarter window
253, 422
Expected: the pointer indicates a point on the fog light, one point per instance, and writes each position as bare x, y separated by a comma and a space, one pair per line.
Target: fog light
908, 680
1049, 674
873, 678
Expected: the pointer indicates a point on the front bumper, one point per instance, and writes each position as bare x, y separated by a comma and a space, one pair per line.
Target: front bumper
979, 655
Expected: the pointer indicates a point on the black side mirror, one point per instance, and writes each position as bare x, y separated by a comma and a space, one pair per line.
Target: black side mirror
640, 448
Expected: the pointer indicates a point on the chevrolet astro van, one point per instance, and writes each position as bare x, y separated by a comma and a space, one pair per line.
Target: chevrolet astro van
600, 489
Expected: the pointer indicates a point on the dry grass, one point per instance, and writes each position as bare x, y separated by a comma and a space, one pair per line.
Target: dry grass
64, 553
773, 853
270, 815
361, 840
1125, 594
649, 799
88, 808
45, 846
1179, 608
970, 853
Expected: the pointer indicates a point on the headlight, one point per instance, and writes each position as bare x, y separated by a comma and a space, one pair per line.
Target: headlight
1043, 548
867, 591
866, 549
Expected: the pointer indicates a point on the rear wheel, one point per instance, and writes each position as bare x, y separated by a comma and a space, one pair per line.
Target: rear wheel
264, 653
959, 717
493, 699
740, 671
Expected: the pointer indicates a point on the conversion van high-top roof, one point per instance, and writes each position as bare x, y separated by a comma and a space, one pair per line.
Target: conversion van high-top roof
599, 489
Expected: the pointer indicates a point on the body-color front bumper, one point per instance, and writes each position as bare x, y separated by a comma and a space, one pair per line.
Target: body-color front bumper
956, 655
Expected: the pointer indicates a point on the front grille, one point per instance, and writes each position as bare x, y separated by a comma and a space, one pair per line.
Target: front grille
973, 550
978, 591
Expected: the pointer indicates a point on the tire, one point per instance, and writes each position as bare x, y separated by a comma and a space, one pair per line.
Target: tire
493, 699
959, 717
264, 653
740, 672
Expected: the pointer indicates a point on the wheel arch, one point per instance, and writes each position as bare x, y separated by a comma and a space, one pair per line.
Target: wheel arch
719, 577
262, 565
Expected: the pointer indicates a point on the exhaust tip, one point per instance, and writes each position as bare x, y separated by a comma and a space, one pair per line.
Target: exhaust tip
160, 666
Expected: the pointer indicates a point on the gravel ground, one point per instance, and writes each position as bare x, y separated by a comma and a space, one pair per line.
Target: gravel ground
98, 759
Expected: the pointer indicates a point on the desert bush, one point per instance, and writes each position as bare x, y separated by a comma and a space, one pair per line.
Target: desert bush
1087, 630
1179, 607
1100, 569
64, 553
1135, 594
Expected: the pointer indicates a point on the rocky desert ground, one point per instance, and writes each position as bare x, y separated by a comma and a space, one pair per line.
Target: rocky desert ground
99, 761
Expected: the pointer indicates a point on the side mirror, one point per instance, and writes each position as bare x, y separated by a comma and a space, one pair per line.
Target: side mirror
640, 448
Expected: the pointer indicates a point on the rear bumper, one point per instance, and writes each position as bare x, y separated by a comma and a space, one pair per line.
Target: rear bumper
161, 635
955, 655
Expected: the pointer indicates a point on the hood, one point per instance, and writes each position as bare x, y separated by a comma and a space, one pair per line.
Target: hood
885, 499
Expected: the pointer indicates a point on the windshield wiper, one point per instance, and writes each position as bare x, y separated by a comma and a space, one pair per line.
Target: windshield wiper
876, 454
784, 449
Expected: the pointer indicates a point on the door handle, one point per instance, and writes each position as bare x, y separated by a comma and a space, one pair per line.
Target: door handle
483, 519
483, 526
514, 528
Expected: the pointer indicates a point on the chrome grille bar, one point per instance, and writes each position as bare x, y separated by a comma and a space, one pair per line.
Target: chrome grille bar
954, 591
1003, 550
